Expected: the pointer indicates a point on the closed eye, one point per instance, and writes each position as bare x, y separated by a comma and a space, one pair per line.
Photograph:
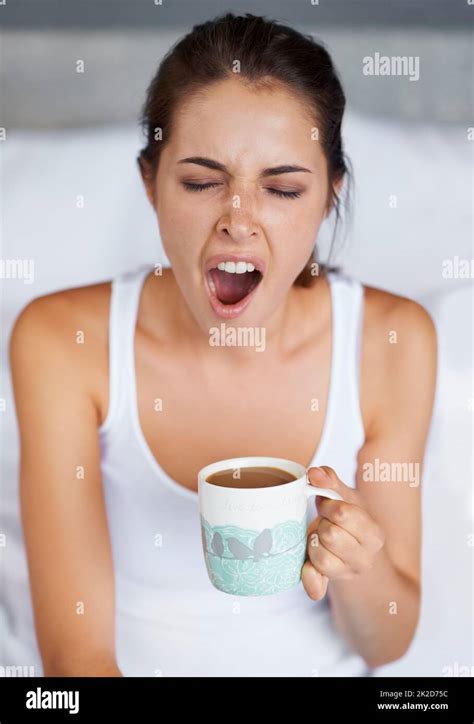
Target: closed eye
276, 192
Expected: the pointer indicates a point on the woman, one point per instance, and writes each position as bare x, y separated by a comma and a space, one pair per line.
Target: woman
121, 398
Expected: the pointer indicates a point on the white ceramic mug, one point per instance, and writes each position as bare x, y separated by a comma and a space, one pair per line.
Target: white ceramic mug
254, 539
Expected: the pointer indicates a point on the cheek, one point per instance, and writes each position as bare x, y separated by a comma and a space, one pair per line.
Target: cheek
173, 212
294, 233
181, 229
313, 211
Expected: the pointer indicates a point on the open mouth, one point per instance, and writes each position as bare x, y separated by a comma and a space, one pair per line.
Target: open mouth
231, 286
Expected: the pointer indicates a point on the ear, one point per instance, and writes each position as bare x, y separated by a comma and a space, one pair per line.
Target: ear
147, 178
337, 185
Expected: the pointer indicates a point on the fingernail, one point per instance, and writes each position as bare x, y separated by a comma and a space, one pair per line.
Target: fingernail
319, 472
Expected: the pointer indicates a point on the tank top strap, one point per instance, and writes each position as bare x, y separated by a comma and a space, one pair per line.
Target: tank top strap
124, 299
348, 310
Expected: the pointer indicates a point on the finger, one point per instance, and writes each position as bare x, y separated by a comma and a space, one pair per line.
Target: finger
313, 526
354, 519
314, 583
323, 560
348, 514
343, 545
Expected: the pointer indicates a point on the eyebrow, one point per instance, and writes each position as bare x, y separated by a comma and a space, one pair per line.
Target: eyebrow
216, 166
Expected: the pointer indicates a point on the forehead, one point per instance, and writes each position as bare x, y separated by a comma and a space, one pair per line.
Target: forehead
230, 121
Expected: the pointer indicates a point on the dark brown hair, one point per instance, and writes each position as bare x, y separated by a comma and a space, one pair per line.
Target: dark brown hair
268, 52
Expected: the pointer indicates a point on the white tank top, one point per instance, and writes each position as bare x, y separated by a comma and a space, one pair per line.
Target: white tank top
170, 620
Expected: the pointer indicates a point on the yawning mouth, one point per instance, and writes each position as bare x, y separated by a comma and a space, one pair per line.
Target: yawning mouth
231, 284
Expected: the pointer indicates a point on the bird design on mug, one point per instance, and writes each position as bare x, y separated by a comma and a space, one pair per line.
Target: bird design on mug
261, 547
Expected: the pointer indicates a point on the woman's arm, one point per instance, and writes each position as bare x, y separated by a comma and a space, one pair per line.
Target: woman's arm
63, 513
374, 591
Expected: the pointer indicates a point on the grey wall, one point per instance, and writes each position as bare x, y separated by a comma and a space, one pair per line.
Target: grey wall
150, 13
121, 43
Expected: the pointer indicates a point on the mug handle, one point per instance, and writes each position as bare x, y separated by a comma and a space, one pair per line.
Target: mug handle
312, 490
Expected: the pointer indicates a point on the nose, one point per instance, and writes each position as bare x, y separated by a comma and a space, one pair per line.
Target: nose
238, 222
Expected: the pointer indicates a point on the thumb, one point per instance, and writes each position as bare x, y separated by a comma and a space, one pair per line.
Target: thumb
326, 477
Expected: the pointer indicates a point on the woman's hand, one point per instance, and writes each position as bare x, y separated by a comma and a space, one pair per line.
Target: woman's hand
343, 540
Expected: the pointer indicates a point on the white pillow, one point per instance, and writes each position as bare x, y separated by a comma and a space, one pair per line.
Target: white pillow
443, 641
427, 172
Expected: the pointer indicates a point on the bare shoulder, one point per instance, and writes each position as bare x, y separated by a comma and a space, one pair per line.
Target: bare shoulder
399, 353
67, 329
408, 319
58, 311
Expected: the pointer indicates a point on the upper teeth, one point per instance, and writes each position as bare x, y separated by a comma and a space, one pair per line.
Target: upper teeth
236, 268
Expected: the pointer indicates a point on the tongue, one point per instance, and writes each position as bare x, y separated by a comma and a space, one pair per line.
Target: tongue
231, 288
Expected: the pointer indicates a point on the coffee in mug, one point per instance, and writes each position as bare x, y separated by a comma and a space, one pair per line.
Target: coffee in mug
251, 477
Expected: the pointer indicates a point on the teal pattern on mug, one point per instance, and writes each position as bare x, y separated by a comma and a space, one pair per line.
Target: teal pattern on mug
248, 562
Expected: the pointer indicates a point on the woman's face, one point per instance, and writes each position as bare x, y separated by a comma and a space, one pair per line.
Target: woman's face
241, 182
